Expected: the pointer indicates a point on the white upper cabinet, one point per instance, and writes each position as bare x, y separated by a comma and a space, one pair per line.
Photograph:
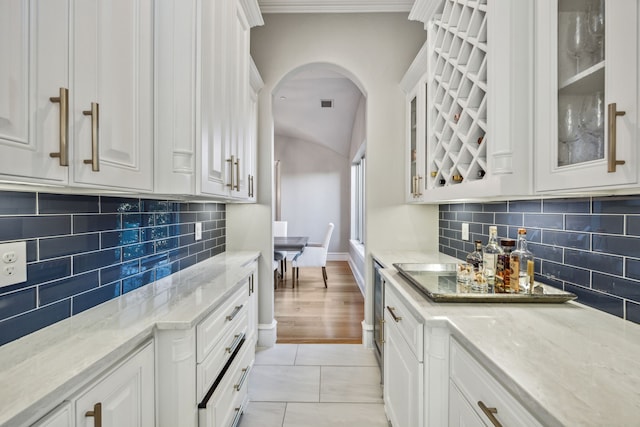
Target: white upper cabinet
479, 97
33, 69
203, 69
77, 111
112, 96
587, 95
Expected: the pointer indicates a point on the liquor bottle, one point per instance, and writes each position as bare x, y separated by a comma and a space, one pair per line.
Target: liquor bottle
521, 264
503, 269
478, 282
490, 257
475, 257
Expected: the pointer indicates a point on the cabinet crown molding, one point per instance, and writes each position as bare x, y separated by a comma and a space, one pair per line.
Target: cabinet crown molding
334, 6
252, 12
424, 10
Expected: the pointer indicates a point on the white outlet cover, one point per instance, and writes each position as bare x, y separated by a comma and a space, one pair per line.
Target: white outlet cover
18, 267
198, 231
465, 231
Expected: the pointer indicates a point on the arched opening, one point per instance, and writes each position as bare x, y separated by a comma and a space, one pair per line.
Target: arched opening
319, 144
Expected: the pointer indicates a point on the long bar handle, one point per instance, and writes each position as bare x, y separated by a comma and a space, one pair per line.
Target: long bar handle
490, 413
235, 311
96, 414
393, 314
382, 331
250, 185
237, 186
231, 162
63, 100
243, 378
95, 134
612, 162
418, 188
236, 419
236, 342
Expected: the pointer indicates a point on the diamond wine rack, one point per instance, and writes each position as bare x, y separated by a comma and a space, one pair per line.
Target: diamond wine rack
458, 90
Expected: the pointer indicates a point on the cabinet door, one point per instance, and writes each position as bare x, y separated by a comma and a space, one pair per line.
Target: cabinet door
34, 50
124, 398
586, 64
216, 162
112, 67
403, 380
461, 414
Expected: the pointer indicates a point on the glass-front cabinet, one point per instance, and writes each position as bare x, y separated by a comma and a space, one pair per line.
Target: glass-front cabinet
586, 91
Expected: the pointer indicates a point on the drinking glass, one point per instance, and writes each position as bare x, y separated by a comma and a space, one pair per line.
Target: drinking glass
595, 26
568, 130
592, 122
579, 43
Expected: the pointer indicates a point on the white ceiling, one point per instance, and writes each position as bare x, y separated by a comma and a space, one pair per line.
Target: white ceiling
334, 6
297, 113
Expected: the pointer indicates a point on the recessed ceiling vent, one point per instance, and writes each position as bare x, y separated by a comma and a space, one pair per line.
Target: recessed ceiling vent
326, 103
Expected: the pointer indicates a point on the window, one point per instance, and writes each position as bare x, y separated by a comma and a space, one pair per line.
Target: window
358, 199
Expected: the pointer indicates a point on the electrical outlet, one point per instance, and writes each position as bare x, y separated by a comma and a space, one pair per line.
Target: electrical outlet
198, 231
465, 231
14, 263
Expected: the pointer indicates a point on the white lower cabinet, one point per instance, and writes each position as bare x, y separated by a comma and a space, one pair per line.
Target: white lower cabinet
403, 364
461, 413
123, 397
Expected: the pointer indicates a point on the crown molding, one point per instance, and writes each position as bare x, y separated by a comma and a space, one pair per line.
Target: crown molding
424, 10
252, 12
334, 6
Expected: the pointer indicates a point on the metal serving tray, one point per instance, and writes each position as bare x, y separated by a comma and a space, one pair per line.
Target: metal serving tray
438, 282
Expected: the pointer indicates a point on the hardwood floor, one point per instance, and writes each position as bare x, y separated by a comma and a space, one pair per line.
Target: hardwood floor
311, 313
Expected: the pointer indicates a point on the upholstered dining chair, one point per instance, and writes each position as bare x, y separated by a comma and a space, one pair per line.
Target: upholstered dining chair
313, 255
280, 230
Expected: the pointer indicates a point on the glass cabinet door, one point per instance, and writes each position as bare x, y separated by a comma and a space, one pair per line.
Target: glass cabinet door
586, 113
413, 148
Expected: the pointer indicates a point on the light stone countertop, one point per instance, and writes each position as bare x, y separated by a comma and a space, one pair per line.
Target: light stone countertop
568, 364
40, 369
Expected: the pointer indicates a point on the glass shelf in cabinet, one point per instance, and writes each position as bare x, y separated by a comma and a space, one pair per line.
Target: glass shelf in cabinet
584, 82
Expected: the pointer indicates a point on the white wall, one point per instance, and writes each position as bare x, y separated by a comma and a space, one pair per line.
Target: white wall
376, 49
315, 185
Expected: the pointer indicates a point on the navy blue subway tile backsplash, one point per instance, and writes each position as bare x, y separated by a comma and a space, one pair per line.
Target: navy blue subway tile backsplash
588, 246
84, 250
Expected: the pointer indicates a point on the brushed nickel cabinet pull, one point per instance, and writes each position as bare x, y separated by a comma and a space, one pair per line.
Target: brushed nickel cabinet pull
63, 100
95, 134
382, 331
235, 311
489, 412
419, 186
236, 418
250, 186
393, 314
236, 342
237, 186
231, 162
243, 378
96, 414
612, 162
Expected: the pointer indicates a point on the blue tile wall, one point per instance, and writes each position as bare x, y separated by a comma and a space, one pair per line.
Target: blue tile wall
588, 246
85, 250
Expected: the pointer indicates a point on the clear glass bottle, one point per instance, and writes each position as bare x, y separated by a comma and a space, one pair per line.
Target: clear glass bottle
478, 282
503, 270
490, 257
521, 265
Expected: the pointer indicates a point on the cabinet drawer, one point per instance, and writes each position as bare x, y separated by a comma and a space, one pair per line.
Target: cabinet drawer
208, 370
230, 396
478, 386
410, 326
217, 324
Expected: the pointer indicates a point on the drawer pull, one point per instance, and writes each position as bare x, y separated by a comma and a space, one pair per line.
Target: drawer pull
489, 412
235, 312
243, 378
382, 331
96, 414
235, 343
236, 419
396, 318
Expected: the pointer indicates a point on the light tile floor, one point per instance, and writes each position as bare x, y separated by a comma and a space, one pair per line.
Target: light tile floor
315, 385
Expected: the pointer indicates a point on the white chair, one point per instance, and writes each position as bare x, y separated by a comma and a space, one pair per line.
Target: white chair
280, 230
313, 255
